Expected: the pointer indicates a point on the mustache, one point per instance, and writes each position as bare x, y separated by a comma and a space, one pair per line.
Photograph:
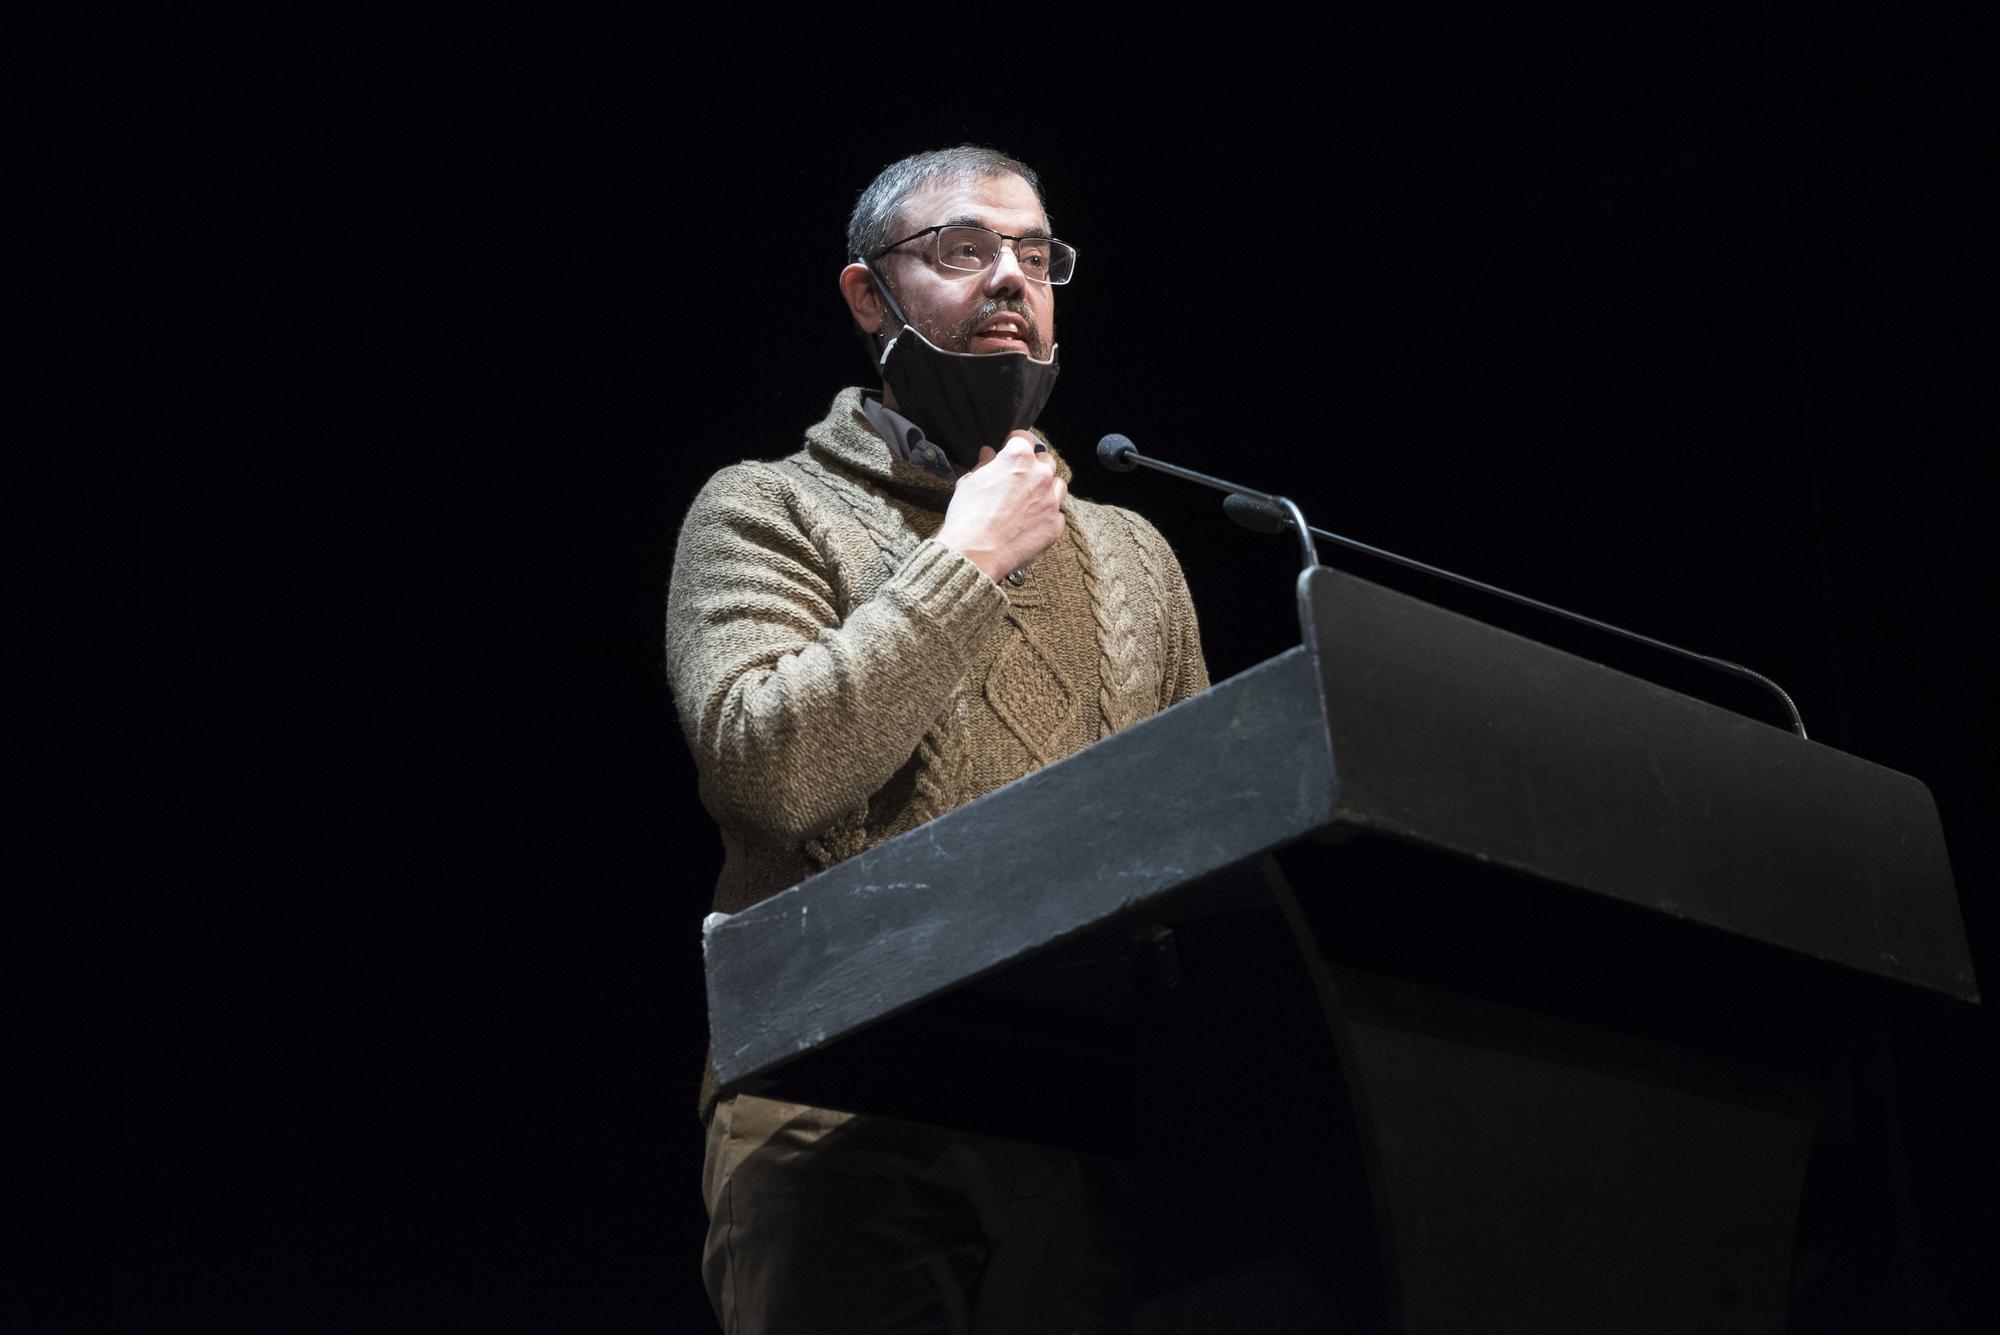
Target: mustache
1010, 306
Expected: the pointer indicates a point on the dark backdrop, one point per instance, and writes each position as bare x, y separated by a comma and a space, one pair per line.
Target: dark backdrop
1650, 318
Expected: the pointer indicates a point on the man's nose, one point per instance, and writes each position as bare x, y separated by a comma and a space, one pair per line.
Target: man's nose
1004, 274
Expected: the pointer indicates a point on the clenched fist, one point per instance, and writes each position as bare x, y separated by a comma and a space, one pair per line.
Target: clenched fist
1008, 510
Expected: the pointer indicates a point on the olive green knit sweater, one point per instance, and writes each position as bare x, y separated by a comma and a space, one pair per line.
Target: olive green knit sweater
842, 677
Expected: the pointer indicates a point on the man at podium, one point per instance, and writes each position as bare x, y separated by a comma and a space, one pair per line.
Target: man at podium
904, 614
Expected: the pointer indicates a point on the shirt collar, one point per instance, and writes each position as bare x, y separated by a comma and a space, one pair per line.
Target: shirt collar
906, 439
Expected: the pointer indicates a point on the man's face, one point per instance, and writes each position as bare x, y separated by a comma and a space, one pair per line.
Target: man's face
1000, 310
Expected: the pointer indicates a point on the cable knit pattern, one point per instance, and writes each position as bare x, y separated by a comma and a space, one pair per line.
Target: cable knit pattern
941, 765
892, 537
1029, 691
1119, 692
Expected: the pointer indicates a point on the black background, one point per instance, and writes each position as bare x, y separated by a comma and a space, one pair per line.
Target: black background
443, 325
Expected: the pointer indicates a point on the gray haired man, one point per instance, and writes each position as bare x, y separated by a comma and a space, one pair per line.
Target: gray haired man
906, 613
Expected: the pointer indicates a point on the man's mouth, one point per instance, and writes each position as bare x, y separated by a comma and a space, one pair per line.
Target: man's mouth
1004, 332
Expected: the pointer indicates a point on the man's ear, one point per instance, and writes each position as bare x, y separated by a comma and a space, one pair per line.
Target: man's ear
864, 301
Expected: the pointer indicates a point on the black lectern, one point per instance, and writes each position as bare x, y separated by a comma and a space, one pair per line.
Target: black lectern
1437, 980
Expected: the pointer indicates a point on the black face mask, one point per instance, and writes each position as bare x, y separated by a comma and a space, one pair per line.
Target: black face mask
963, 400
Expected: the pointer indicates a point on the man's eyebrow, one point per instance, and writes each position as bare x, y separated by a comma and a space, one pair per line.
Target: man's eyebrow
967, 220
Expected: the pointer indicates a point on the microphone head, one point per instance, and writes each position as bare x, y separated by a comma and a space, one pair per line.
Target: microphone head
1115, 453
1254, 512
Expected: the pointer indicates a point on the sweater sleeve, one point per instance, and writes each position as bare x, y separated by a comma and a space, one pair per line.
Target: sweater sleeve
796, 714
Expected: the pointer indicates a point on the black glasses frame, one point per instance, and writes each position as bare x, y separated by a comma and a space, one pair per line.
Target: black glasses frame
1017, 240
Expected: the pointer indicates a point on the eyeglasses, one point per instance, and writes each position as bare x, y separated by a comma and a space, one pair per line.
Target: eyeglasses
976, 249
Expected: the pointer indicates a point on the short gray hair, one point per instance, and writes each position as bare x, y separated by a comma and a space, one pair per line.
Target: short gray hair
873, 223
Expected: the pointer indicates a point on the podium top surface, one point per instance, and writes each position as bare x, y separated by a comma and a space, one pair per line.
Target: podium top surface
1450, 733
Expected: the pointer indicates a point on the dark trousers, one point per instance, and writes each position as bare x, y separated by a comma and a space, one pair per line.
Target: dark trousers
831, 1223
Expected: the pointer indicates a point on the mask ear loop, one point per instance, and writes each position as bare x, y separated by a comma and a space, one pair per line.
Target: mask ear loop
895, 309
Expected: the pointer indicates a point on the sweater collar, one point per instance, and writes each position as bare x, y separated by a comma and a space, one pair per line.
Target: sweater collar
846, 440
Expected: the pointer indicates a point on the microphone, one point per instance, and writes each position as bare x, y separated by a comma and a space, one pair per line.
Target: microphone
1255, 512
1120, 455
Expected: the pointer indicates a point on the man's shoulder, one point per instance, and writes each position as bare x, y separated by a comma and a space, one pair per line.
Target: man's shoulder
749, 480
757, 505
790, 487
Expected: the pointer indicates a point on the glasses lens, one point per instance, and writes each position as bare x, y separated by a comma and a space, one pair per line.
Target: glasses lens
973, 249
1035, 254
1061, 261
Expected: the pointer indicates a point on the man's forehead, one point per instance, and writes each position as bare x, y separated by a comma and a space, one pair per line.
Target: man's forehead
1004, 203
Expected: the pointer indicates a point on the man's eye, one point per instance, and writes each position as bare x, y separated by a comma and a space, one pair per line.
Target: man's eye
1034, 259
963, 250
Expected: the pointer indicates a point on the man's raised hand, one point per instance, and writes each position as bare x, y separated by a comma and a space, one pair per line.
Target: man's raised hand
1007, 510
